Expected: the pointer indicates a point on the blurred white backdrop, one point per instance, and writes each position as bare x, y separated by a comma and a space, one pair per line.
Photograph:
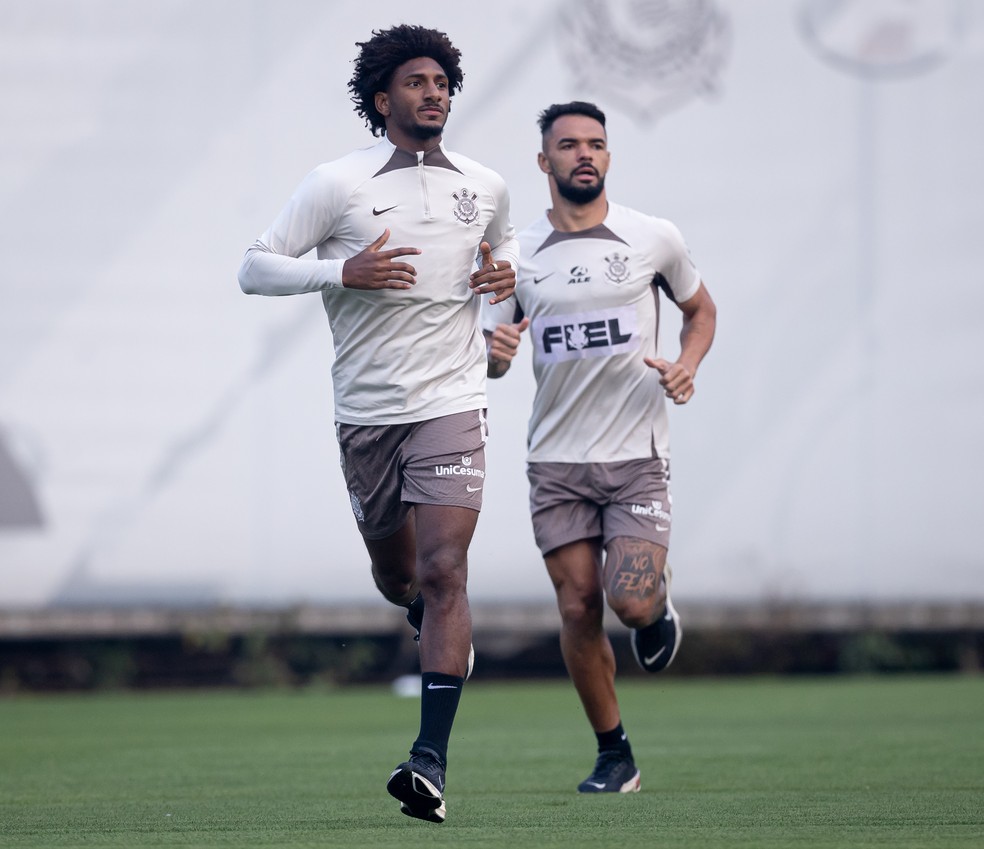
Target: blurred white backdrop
165, 438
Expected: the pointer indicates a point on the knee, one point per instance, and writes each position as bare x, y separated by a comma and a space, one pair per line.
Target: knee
638, 611
398, 586
443, 573
580, 607
633, 612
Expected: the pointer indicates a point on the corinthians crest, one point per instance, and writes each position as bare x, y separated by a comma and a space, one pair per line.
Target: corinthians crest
888, 38
646, 56
465, 210
618, 270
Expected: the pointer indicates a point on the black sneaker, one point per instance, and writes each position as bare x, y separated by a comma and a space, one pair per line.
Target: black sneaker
614, 772
415, 616
419, 785
656, 645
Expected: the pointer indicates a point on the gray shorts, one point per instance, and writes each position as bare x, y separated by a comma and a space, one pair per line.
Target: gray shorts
574, 501
389, 468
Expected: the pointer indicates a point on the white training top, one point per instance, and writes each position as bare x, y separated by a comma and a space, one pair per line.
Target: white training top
401, 355
593, 303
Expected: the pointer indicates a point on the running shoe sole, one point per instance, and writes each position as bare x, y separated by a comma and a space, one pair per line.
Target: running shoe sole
431, 815
417, 794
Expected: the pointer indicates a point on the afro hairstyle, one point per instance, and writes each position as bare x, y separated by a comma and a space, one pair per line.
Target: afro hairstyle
381, 55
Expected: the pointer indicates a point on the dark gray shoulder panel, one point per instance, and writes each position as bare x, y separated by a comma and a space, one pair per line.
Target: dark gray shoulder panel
405, 159
599, 231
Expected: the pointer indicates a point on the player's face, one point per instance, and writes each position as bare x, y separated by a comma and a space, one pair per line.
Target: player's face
417, 102
575, 155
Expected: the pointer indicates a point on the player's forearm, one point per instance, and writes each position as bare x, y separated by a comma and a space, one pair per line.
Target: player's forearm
507, 249
266, 273
497, 366
696, 336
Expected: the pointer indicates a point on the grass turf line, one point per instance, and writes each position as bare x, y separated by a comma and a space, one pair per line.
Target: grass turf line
825, 763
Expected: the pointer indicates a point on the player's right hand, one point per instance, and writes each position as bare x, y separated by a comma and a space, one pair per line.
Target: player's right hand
675, 378
504, 341
374, 268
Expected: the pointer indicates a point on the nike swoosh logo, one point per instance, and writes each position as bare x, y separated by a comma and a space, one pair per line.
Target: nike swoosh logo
381, 211
654, 658
470, 488
661, 529
541, 279
596, 784
441, 687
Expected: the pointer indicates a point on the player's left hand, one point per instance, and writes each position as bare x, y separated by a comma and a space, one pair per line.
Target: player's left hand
675, 378
495, 278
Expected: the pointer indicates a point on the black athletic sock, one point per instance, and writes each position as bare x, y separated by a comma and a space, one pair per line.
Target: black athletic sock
439, 696
615, 740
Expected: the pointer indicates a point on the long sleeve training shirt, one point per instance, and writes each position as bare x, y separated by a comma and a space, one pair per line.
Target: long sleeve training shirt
400, 355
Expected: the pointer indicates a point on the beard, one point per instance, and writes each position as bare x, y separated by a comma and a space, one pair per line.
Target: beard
423, 132
579, 194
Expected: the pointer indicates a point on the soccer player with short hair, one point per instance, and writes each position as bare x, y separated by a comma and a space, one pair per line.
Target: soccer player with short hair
588, 289
409, 372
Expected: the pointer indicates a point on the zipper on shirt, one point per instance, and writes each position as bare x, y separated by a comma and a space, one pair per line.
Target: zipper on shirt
423, 183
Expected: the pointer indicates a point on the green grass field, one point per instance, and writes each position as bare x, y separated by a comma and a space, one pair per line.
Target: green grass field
838, 762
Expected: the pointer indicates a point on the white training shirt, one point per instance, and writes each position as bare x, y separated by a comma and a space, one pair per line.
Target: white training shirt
401, 355
592, 298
